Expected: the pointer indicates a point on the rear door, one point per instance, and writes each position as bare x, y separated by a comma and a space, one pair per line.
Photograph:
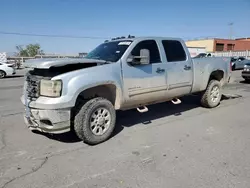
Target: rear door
179, 68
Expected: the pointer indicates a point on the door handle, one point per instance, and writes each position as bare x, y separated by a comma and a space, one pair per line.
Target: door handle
159, 70
187, 67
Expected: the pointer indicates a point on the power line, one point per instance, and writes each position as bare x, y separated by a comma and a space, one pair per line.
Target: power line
54, 36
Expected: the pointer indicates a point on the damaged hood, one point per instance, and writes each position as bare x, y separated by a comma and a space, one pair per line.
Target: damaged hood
57, 62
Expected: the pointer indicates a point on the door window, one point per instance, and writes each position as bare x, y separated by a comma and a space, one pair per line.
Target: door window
174, 51
150, 45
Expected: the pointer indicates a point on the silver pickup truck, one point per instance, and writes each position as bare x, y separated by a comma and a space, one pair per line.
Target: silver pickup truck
83, 94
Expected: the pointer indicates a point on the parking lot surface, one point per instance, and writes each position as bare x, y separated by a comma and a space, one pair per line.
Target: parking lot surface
173, 146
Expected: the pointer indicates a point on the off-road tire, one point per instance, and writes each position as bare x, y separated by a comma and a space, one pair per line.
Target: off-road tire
81, 123
206, 100
2, 74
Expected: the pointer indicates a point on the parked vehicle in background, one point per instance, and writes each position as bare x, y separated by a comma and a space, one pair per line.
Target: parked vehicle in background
6, 69
202, 55
194, 51
246, 72
239, 62
83, 94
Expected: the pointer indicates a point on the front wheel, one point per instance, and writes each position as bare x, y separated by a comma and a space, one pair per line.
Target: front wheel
95, 120
247, 80
2, 74
212, 96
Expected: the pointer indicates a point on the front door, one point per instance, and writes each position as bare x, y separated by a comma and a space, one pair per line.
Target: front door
145, 83
179, 68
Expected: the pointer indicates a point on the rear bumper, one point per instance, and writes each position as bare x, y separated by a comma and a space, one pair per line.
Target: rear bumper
49, 121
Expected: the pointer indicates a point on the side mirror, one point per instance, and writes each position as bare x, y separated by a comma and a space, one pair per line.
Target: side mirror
143, 59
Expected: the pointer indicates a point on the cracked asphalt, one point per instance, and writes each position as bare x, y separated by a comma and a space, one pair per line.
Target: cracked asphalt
173, 146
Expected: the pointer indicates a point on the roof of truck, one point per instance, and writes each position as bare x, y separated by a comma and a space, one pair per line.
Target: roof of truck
144, 38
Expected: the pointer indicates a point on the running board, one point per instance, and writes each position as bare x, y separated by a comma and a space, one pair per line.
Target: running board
144, 109
176, 101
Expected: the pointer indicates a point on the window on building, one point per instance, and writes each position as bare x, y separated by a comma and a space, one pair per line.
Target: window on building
174, 50
219, 47
153, 50
230, 47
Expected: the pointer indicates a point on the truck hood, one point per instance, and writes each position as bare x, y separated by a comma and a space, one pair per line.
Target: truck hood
58, 62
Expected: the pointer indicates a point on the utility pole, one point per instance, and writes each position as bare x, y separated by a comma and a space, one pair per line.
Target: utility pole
231, 30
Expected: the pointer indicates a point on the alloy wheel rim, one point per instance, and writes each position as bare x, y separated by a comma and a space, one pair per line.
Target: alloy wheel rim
100, 121
215, 94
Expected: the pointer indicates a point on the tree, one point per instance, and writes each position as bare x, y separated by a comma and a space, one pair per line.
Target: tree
30, 50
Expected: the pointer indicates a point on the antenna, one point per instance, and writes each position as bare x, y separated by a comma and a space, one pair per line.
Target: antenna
231, 30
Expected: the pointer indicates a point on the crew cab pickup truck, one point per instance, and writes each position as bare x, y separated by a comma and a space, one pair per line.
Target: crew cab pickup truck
83, 94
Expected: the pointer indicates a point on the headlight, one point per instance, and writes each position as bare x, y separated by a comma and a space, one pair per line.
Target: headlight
51, 88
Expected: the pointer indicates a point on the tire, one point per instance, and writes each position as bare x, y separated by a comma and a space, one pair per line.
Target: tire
2, 74
247, 80
84, 116
207, 100
233, 67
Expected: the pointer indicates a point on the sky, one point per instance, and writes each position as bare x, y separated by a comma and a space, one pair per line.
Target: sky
104, 19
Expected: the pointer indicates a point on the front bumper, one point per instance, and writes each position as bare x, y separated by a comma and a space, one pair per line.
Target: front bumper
49, 121
245, 74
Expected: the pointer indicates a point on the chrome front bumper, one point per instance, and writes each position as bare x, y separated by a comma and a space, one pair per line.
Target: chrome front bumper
49, 121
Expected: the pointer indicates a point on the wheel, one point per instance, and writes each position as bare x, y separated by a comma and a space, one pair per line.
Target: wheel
247, 80
95, 120
233, 67
212, 96
2, 74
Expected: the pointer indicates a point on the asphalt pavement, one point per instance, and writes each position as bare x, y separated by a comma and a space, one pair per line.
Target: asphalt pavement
177, 146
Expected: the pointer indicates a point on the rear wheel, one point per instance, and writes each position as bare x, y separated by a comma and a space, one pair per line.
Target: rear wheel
2, 74
95, 120
212, 96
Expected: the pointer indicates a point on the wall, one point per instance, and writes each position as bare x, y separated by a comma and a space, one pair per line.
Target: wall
207, 43
243, 39
233, 54
239, 45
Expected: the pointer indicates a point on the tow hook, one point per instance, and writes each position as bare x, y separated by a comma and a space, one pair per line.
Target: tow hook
176, 101
142, 109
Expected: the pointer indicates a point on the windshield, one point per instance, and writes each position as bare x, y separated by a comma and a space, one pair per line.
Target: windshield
110, 51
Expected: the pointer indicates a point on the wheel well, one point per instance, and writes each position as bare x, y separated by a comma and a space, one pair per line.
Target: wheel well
108, 91
217, 75
3, 71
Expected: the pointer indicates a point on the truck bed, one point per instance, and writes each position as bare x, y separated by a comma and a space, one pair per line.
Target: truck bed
204, 66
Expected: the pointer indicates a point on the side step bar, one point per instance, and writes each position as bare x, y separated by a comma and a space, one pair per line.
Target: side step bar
176, 101
142, 109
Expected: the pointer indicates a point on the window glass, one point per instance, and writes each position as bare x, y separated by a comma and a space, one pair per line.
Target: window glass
109, 51
174, 51
151, 46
